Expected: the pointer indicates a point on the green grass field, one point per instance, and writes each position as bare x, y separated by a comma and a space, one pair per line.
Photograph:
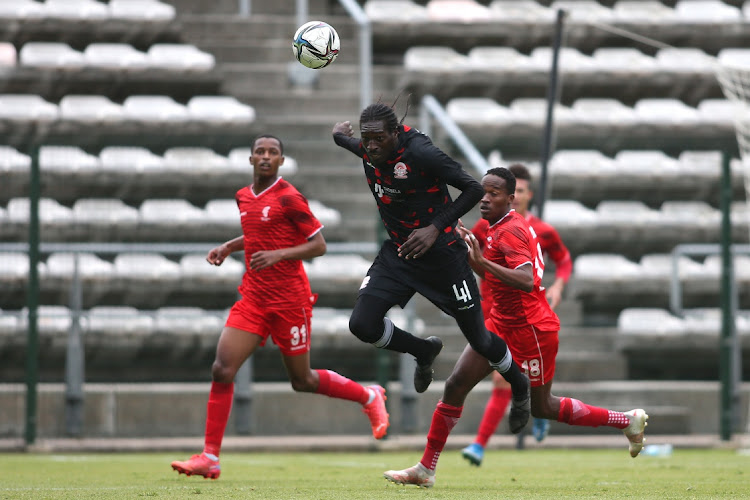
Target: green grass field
506, 474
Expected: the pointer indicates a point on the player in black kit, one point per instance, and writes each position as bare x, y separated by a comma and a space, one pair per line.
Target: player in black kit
409, 179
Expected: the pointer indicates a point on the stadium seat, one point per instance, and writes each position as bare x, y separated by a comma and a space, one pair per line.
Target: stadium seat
26, 107
625, 60
117, 320
718, 112
568, 213
700, 163
434, 60
569, 60
649, 321
154, 108
689, 221
9, 322
395, 11
67, 160
170, 212
526, 11
105, 211
659, 267
150, 267
532, 112
14, 268
13, 161
740, 265
50, 55
338, 268
460, 11
705, 11
80, 10
115, 56
684, 60
654, 166
584, 10
477, 111
595, 112
664, 111
90, 267
179, 57
327, 216
196, 271
8, 56
21, 9
186, 321
220, 109
50, 211
141, 10
129, 160
640, 12
51, 320
200, 161
736, 57
702, 321
612, 268
90, 108
497, 59
222, 212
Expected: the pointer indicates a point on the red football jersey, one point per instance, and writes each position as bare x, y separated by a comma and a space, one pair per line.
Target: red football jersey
549, 239
279, 217
511, 242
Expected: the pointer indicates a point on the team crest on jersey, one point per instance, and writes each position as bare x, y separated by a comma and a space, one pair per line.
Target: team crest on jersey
265, 217
400, 170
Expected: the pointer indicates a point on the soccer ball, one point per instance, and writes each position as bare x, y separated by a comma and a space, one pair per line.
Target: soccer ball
316, 44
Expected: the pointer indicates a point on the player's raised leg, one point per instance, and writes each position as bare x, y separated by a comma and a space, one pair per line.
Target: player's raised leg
334, 385
234, 347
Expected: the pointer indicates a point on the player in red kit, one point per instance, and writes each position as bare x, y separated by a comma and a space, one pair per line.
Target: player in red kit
279, 231
552, 248
520, 314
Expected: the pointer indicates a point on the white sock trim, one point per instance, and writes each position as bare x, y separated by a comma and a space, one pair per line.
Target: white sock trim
504, 364
387, 334
211, 456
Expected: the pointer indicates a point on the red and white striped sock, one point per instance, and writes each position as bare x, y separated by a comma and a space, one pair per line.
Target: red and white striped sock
575, 412
444, 418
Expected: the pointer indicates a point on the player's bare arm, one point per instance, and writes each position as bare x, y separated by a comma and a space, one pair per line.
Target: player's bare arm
419, 241
521, 278
554, 292
217, 255
314, 247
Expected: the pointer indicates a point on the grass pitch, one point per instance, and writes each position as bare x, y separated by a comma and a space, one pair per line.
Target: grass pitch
506, 474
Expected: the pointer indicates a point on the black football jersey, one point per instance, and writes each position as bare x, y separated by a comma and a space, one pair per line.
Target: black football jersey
411, 191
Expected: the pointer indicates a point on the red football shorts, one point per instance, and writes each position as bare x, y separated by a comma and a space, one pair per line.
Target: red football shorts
288, 328
532, 349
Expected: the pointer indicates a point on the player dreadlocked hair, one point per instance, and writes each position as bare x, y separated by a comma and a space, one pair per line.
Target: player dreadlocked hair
382, 112
507, 175
269, 136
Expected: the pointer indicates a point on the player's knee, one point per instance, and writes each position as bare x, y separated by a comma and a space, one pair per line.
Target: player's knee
222, 373
302, 384
483, 345
542, 408
365, 330
457, 386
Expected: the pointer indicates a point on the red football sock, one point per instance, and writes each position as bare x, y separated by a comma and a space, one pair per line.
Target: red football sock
217, 415
337, 386
444, 419
575, 412
493, 414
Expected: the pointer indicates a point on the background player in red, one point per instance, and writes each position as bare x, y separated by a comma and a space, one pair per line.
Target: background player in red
279, 231
513, 265
552, 248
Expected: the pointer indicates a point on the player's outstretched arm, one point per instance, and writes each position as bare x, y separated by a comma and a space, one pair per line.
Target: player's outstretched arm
343, 136
314, 247
217, 255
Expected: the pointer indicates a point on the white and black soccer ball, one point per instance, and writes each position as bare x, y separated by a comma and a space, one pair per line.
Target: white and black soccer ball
316, 44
